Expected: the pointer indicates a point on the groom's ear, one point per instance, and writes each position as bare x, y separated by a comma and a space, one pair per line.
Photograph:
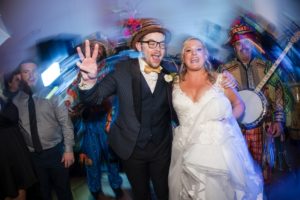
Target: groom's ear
138, 46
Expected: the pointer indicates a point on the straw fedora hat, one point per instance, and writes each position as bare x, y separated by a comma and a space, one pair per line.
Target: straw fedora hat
136, 29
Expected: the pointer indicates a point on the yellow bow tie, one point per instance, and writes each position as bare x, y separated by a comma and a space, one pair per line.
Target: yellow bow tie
149, 69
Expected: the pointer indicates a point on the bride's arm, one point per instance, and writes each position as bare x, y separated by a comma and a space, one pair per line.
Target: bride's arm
238, 106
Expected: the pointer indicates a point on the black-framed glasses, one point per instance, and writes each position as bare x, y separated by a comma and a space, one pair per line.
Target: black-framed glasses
153, 44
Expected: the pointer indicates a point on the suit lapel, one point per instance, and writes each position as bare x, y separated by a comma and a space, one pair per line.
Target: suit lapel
136, 86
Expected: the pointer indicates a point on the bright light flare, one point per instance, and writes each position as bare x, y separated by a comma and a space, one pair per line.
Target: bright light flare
51, 74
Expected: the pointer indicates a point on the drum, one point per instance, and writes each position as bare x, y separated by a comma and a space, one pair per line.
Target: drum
294, 129
255, 108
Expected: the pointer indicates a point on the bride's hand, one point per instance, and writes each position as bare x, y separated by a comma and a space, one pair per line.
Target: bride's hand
88, 65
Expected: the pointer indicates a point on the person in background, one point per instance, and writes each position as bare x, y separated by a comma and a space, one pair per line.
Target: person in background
91, 123
48, 133
249, 68
11, 84
16, 170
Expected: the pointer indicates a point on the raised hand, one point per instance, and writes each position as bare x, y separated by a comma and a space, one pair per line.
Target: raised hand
88, 65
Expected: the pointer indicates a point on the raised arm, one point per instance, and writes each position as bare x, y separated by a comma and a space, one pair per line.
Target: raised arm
88, 65
90, 90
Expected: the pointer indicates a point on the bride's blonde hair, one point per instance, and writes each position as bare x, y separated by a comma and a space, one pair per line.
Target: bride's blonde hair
207, 65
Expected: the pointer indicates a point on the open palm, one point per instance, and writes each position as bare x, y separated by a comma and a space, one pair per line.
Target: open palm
88, 65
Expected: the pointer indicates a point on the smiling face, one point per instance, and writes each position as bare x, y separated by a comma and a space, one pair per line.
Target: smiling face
152, 56
194, 54
243, 49
29, 74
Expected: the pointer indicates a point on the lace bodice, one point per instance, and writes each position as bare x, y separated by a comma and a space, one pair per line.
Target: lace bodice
186, 108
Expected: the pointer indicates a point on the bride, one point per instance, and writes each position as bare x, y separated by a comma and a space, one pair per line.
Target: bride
210, 159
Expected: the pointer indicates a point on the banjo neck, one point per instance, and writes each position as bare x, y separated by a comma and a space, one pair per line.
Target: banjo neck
277, 62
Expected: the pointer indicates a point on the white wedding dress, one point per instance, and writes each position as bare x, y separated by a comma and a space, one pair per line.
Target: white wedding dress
210, 159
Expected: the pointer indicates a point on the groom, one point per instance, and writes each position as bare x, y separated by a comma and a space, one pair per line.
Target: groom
142, 133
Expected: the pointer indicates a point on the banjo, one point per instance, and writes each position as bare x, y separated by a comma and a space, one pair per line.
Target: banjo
255, 101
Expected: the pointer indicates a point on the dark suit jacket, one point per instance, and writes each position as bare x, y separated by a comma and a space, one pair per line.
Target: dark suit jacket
125, 83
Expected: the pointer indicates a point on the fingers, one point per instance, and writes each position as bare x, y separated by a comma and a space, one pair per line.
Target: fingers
80, 54
228, 80
67, 162
62, 160
276, 132
87, 49
277, 129
79, 64
225, 74
68, 159
95, 52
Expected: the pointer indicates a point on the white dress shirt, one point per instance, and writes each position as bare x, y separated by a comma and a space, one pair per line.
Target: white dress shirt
150, 78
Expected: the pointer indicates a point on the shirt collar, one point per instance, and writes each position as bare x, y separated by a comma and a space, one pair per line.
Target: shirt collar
142, 64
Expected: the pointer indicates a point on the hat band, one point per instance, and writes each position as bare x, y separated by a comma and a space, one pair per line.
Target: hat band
241, 29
